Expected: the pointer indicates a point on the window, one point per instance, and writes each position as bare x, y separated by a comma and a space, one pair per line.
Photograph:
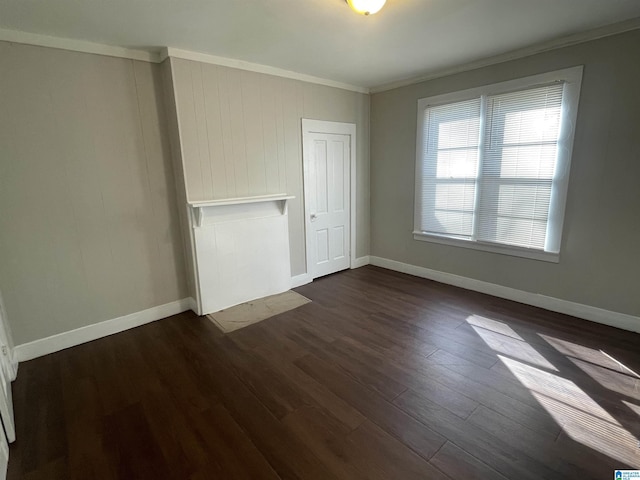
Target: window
493, 162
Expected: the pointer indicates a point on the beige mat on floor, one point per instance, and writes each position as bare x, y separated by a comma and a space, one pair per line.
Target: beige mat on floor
249, 313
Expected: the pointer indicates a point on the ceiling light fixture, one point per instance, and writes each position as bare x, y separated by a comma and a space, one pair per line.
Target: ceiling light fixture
366, 7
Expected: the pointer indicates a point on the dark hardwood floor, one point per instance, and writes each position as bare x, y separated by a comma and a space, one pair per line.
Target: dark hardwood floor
382, 376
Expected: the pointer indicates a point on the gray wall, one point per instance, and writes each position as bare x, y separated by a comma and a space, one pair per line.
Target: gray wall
88, 223
240, 134
600, 253
181, 191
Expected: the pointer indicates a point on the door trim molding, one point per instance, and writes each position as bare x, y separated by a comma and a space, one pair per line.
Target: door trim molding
338, 128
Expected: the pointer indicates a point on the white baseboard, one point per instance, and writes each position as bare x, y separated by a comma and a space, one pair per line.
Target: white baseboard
192, 305
300, 280
305, 278
55, 343
361, 262
586, 312
15, 36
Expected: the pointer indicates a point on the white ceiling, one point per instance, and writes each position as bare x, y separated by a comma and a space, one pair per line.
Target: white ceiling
323, 38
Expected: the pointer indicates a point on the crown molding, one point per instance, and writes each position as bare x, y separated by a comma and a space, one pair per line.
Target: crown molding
560, 42
158, 56
170, 52
15, 36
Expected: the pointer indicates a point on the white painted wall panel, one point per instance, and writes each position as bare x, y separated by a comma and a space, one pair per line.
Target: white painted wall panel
241, 136
242, 254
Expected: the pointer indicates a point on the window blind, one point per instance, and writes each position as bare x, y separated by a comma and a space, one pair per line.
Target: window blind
518, 166
492, 165
450, 168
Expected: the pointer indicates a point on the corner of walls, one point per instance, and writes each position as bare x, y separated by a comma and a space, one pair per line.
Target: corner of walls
598, 264
586, 312
239, 134
300, 280
171, 110
96, 184
305, 278
361, 261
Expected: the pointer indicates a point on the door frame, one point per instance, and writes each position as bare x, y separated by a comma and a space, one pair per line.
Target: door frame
310, 126
8, 373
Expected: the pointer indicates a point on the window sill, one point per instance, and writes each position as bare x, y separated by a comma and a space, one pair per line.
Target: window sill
486, 247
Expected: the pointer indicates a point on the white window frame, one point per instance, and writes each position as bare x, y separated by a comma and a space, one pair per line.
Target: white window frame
572, 79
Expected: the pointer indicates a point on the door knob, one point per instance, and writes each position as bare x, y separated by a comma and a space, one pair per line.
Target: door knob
313, 216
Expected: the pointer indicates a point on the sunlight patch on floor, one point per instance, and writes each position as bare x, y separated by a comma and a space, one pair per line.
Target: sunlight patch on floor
619, 382
501, 338
594, 432
580, 416
557, 388
632, 406
622, 366
586, 354
493, 325
600, 366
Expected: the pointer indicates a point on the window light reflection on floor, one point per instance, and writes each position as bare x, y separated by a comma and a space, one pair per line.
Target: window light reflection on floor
501, 338
603, 368
623, 383
580, 417
586, 354
556, 388
623, 367
633, 407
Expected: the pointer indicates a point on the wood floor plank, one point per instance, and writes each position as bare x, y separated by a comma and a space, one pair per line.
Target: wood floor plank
496, 452
446, 340
278, 395
321, 395
85, 430
413, 434
542, 447
459, 464
55, 470
45, 397
326, 437
133, 451
383, 456
484, 376
230, 450
360, 371
451, 400
438, 383
382, 375
284, 453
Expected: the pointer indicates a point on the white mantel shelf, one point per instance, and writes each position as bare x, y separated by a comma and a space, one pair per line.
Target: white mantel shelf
236, 201
199, 206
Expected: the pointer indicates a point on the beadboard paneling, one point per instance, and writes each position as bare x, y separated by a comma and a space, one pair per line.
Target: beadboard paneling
241, 135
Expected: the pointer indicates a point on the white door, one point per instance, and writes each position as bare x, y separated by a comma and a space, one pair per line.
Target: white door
327, 168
